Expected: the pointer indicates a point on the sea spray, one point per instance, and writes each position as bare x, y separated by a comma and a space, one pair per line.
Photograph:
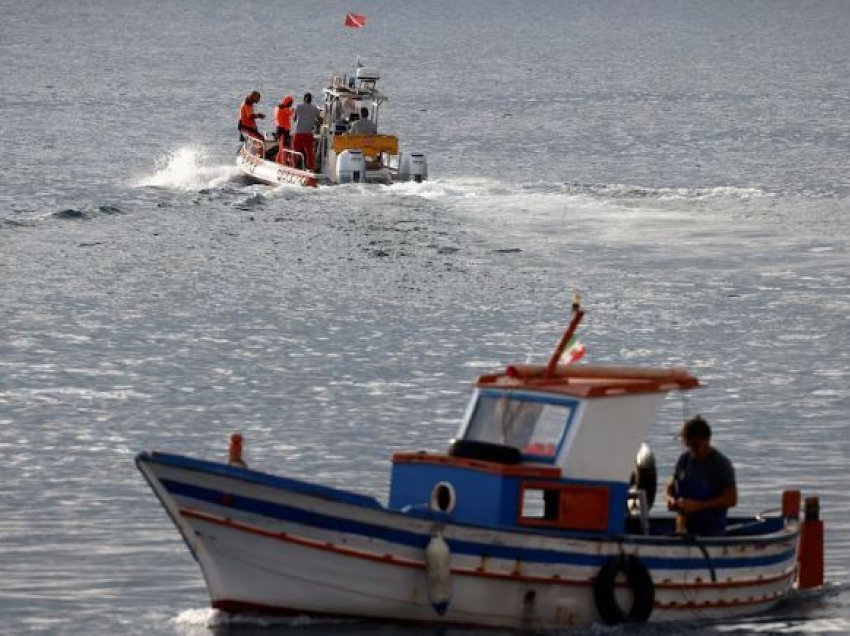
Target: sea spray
190, 168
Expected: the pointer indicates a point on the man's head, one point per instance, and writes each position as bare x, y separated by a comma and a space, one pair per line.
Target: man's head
696, 436
364, 113
254, 97
308, 98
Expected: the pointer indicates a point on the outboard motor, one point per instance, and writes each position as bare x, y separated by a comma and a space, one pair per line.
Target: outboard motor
413, 167
350, 167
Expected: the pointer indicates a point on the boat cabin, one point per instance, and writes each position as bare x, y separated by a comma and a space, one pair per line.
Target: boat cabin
541, 447
345, 96
346, 155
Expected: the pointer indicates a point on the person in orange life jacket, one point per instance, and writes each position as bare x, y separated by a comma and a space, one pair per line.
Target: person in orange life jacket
283, 124
702, 487
283, 120
248, 118
306, 117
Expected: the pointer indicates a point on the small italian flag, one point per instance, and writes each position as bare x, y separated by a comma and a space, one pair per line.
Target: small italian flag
573, 352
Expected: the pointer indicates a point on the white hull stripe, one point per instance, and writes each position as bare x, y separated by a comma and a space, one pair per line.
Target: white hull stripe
399, 561
411, 539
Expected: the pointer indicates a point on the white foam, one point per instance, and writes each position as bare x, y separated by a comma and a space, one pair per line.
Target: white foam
801, 626
194, 621
189, 168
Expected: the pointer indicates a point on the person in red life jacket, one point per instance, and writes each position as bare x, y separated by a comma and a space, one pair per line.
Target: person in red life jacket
306, 117
248, 118
283, 123
283, 120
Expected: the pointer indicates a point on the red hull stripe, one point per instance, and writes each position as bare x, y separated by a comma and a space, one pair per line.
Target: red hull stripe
310, 543
751, 600
245, 607
390, 559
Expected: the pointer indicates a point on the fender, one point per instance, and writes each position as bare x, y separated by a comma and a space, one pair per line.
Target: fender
639, 582
645, 475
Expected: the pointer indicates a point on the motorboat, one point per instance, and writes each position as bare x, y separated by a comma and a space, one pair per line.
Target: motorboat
536, 517
342, 156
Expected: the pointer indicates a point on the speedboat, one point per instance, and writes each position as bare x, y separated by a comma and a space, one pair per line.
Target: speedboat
341, 156
536, 517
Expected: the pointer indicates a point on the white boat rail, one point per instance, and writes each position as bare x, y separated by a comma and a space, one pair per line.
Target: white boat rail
255, 146
291, 158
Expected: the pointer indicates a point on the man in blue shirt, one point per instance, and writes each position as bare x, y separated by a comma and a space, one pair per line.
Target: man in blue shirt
703, 486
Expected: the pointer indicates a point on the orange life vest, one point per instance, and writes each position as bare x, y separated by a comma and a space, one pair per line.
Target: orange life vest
246, 115
283, 117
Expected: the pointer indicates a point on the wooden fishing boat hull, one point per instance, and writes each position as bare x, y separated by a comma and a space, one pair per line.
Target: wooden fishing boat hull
277, 545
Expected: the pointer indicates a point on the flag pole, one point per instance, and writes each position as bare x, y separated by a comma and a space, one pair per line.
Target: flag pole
577, 315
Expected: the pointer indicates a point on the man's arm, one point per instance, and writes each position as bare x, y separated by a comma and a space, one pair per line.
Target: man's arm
726, 499
671, 494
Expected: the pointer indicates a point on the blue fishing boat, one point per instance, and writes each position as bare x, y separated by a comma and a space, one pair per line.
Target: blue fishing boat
536, 517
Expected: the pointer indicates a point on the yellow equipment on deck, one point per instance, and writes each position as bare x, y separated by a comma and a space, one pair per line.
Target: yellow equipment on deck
370, 145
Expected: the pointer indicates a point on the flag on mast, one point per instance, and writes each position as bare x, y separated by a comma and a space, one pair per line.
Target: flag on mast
355, 20
574, 352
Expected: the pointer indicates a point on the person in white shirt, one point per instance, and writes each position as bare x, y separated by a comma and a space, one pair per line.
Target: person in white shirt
305, 119
364, 125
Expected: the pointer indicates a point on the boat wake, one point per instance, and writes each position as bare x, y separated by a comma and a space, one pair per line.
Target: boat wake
202, 621
190, 168
473, 187
194, 168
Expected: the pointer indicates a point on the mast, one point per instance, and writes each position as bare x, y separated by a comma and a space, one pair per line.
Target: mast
577, 314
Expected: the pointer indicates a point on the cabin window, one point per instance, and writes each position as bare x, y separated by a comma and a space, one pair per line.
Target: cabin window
572, 506
534, 428
533, 504
539, 504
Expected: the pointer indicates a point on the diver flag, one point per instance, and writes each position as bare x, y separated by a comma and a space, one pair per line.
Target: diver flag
355, 20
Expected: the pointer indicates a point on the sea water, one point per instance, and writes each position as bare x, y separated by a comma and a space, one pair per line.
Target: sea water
683, 166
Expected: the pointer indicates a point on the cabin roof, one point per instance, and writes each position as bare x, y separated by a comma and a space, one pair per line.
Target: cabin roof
353, 93
590, 381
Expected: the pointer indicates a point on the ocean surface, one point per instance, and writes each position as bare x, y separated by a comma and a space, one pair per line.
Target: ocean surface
685, 166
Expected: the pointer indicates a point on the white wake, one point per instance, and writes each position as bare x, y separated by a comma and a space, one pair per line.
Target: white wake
190, 168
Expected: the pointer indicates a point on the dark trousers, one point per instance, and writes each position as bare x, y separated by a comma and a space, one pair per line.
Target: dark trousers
283, 133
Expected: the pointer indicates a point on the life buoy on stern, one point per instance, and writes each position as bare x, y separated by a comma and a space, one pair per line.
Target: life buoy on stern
439, 570
639, 583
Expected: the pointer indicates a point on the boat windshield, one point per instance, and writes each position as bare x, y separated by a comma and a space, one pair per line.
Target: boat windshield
531, 426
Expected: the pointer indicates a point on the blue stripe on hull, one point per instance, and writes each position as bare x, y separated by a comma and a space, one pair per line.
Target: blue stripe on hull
466, 548
256, 477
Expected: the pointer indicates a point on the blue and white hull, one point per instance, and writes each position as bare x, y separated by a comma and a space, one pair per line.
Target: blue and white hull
277, 545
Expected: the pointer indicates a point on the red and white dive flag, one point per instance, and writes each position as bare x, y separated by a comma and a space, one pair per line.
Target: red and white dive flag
355, 20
